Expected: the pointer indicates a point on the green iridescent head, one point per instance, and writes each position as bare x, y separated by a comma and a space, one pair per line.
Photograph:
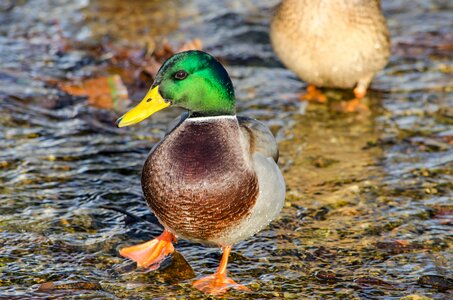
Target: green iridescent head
197, 82
193, 80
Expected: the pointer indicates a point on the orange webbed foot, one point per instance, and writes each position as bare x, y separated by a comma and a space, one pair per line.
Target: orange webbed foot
218, 283
313, 94
151, 254
354, 105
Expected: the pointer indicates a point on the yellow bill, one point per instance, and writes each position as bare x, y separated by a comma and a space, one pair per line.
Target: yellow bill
153, 102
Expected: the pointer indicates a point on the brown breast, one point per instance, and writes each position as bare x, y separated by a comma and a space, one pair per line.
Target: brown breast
197, 181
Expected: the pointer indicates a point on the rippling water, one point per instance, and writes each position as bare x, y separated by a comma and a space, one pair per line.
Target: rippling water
369, 205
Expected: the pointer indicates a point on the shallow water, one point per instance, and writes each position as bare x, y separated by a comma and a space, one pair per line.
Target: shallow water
369, 202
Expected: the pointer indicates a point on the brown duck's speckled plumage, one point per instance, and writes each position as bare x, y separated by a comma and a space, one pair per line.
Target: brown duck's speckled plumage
331, 43
198, 182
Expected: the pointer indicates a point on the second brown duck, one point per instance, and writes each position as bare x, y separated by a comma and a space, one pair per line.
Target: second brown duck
331, 43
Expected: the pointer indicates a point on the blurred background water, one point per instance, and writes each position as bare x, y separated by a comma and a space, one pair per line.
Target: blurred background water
369, 202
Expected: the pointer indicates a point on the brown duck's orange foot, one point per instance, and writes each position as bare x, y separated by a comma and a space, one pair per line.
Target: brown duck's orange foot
313, 94
151, 254
360, 92
217, 284
354, 105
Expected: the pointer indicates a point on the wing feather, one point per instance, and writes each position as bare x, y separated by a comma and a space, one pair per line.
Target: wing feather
260, 137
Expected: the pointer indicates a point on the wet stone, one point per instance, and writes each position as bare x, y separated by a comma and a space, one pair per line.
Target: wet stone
440, 283
175, 268
321, 213
322, 162
51, 286
326, 276
416, 297
371, 281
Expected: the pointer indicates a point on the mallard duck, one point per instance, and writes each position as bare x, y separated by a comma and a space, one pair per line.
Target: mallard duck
213, 178
334, 43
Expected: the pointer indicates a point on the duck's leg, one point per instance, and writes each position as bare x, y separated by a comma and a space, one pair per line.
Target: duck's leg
313, 94
150, 254
218, 282
360, 90
356, 105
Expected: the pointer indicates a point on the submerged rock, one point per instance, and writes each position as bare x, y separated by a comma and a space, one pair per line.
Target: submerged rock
75, 285
436, 281
176, 268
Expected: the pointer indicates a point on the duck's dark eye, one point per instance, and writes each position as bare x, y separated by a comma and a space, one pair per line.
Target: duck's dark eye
180, 75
